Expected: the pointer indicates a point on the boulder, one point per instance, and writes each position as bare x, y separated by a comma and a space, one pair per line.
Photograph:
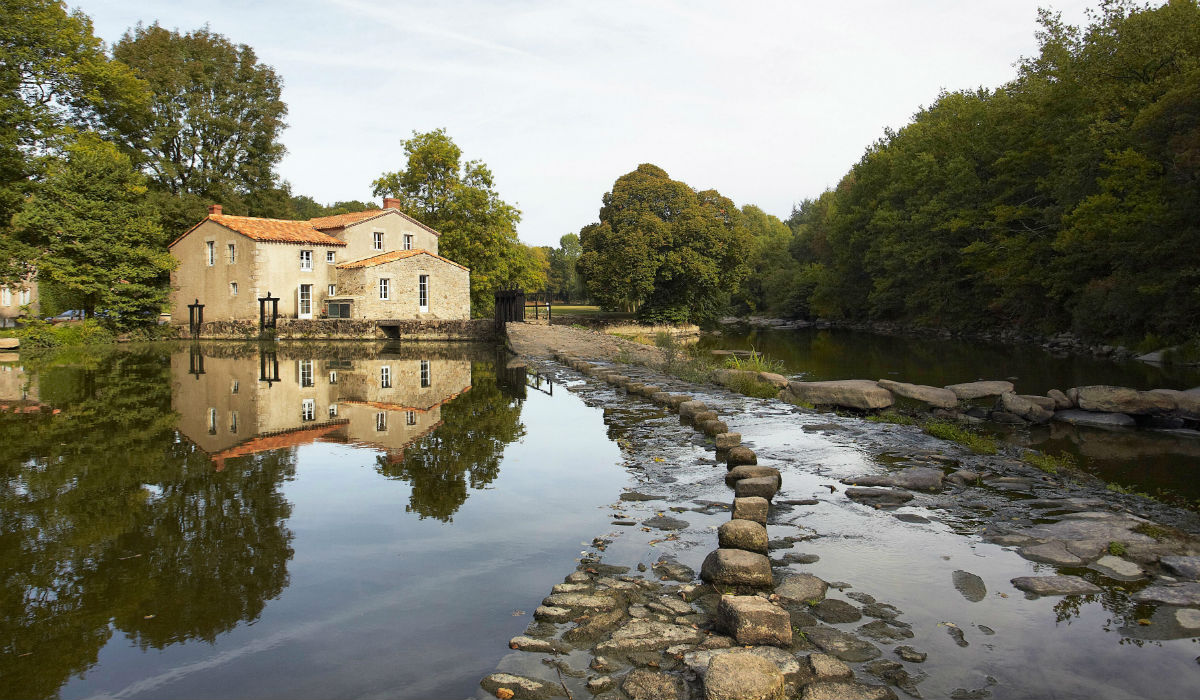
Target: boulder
801, 589
713, 427
861, 394
644, 684
687, 409
1035, 409
678, 400
879, 497
661, 398
970, 391
740, 455
776, 380
919, 478
726, 441
1183, 567
752, 471
1186, 403
1093, 419
1119, 399
725, 377
752, 620
702, 416
1055, 585
762, 486
741, 675
1061, 402
649, 390
737, 567
521, 687
931, 395
742, 534
751, 508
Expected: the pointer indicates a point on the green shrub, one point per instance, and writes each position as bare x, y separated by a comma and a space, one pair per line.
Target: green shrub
979, 444
756, 362
41, 334
751, 385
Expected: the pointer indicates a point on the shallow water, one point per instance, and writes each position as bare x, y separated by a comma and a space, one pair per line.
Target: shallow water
315, 521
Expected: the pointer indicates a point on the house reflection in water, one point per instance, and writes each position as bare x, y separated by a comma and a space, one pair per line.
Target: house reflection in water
238, 401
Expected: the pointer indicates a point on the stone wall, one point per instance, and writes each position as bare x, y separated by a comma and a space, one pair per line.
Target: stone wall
351, 329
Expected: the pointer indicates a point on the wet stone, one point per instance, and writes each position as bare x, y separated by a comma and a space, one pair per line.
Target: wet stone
642, 684
911, 655
740, 675
600, 684
727, 441
762, 486
743, 534
736, 567
885, 631
1184, 593
700, 417
1183, 567
752, 471
579, 600
751, 508
752, 620
1053, 552
882, 611
674, 571
801, 588
836, 611
687, 409
846, 690
542, 646
841, 644
740, 455
873, 496
665, 522
522, 687
911, 518
795, 558
1054, 585
714, 427
958, 636
552, 614
1117, 568
638, 496
969, 585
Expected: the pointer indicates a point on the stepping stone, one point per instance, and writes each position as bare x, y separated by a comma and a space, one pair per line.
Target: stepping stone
743, 534
736, 567
1055, 585
752, 620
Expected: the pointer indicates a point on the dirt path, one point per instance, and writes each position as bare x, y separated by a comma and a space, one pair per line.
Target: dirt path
540, 340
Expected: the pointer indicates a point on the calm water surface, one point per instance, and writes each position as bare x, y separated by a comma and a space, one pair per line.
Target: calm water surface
244, 521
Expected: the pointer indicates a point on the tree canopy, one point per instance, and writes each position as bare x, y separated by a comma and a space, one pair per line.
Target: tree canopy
663, 249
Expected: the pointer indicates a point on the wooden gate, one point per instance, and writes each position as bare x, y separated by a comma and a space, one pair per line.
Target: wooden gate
510, 306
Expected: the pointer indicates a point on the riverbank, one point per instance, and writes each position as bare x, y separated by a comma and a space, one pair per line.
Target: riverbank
950, 539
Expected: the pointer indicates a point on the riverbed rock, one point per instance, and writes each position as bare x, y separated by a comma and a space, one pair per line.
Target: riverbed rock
1029, 408
580, 600
878, 497
1118, 399
552, 614
522, 687
886, 631
969, 391
701, 417
737, 567
1055, 585
762, 486
841, 644
673, 570
931, 395
826, 667
713, 427
776, 380
1183, 567
537, 646
917, 478
644, 684
1187, 403
742, 534
726, 441
861, 394
1094, 419
645, 635
752, 620
969, 585
687, 409
1094, 526
1182, 593
1061, 402
846, 690
751, 508
836, 612
738, 456
639, 496
1117, 568
741, 675
752, 471
911, 655
798, 589
1053, 552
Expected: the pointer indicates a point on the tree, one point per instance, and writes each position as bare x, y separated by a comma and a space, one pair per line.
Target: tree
55, 79
217, 114
563, 279
460, 201
95, 237
664, 249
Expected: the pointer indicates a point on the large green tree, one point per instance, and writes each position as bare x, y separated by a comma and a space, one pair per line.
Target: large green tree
563, 279
94, 237
459, 199
664, 249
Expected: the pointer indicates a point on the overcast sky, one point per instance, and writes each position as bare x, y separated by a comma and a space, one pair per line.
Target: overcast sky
768, 102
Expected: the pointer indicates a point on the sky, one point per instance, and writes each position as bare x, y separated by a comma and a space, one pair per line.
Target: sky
768, 102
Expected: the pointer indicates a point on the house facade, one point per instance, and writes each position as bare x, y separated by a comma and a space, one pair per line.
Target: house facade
14, 297
373, 265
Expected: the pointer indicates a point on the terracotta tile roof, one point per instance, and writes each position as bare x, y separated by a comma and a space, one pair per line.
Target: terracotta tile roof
392, 257
277, 441
272, 230
343, 220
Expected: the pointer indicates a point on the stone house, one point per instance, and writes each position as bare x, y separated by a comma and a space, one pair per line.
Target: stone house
13, 298
373, 265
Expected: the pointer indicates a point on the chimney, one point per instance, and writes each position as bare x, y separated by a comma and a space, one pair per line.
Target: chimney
391, 203
214, 210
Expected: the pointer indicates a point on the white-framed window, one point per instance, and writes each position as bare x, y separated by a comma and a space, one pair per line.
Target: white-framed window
305, 301
234, 386
233, 289
385, 377
212, 421
330, 257
381, 421
233, 421
425, 373
5, 296
210, 248
423, 293
408, 241
333, 376
385, 285
26, 296
306, 373
378, 240
410, 417
308, 409
333, 410
332, 289
232, 251
306, 260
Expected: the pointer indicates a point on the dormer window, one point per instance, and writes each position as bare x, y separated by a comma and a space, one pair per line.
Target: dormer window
378, 240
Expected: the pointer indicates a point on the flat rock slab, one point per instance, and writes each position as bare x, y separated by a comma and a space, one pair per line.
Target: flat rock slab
752, 621
736, 567
1053, 552
969, 391
1117, 568
1185, 567
931, 395
1055, 585
861, 394
916, 478
636, 496
836, 611
9, 343
645, 635
665, 522
801, 588
698, 661
741, 675
841, 644
1109, 527
1119, 399
580, 600
969, 585
1093, 419
870, 496
522, 687
1184, 593
643, 684
846, 690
